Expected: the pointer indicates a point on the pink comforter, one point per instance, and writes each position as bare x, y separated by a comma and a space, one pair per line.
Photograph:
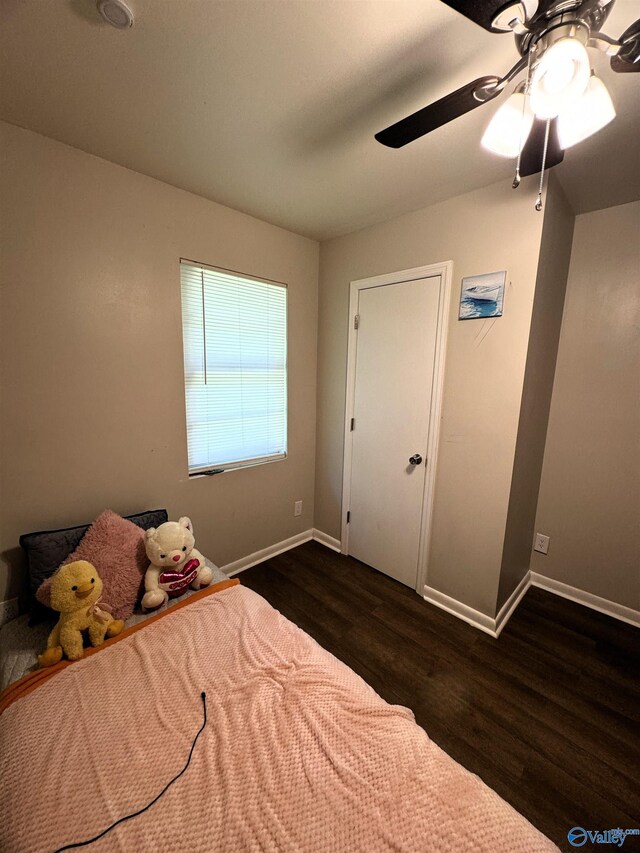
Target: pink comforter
298, 754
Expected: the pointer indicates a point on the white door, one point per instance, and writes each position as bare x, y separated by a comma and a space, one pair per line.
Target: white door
394, 375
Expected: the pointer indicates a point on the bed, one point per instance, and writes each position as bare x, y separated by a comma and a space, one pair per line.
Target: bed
297, 752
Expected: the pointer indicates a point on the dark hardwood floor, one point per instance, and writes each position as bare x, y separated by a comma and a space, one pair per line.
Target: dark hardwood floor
548, 715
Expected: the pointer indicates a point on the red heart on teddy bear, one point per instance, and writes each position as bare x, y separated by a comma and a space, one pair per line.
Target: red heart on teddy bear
176, 581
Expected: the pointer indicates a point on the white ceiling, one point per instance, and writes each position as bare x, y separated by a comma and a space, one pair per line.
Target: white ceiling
270, 106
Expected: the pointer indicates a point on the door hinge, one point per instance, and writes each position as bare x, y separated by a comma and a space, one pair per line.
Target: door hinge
348, 516
356, 321
353, 423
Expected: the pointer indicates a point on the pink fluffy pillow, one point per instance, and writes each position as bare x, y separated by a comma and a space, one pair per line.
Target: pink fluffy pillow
115, 547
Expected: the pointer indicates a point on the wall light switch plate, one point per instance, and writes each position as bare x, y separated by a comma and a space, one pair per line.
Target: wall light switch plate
541, 543
297, 508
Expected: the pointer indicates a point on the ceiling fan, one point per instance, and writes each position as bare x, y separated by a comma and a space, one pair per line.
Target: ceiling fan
559, 103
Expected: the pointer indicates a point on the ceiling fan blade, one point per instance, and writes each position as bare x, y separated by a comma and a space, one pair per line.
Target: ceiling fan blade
622, 67
628, 57
440, 112
483, 12
531, 159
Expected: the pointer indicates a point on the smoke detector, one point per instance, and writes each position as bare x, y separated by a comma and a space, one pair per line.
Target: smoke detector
116, 13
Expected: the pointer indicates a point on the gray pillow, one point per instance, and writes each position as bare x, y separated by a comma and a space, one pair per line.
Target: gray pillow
46, 549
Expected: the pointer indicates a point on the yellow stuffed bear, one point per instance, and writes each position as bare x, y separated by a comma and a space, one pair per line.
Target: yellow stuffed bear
75, 591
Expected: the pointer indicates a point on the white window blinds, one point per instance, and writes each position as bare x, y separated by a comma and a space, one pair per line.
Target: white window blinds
235, 367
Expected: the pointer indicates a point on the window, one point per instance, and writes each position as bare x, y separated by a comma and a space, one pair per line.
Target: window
234, 330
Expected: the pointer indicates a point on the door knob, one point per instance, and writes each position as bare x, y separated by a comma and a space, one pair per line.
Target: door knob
416, 459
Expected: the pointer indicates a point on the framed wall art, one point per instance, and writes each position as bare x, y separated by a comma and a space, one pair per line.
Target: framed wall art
482, 296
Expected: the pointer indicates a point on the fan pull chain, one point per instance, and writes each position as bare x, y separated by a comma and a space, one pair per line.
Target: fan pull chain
516, 178
544, 160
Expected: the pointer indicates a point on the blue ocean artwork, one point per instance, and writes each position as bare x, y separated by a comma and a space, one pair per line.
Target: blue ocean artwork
482, 295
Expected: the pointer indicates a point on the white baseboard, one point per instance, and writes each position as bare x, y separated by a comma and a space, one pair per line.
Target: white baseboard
327, 540
272, 551
504, 614
491, 626
595, 602
494, 626
8, 610
462, 611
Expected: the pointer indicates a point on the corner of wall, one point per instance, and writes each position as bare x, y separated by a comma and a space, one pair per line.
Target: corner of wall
68, 210
544, 336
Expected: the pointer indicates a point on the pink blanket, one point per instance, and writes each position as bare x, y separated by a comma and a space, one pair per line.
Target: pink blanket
298, 754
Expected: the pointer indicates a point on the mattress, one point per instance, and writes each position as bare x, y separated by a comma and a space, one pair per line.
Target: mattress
20, 645
296, 752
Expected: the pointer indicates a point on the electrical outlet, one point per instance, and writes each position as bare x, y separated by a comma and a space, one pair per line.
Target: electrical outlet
297, 508
541, 543
8, 610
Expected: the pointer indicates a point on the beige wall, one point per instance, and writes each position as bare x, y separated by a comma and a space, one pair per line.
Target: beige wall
92, 402
551, 281
92, 398
490, 229
590, 490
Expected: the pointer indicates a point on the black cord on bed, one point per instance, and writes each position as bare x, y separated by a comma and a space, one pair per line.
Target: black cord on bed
203, 696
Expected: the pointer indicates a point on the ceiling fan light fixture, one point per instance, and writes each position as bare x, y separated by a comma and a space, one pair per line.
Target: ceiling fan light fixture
587, 115
510, 126
561, 76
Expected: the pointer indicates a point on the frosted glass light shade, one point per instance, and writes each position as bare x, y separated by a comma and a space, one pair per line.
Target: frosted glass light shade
509, 128
559, 78
586, 115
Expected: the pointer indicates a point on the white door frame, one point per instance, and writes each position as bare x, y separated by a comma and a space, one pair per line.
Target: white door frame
445, 271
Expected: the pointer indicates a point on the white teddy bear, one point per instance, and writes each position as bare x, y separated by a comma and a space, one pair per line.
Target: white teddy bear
175, 563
